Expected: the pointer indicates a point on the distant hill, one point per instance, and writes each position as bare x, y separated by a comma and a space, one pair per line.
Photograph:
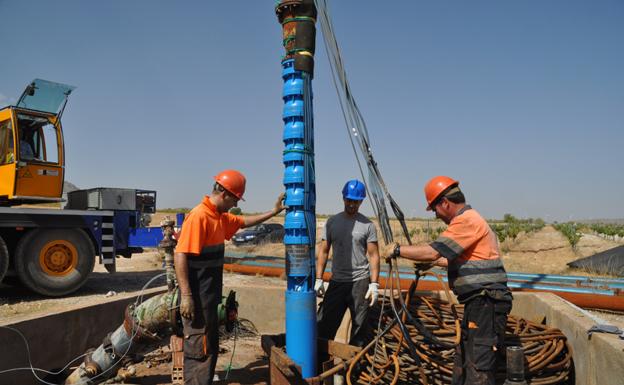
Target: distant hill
69, 187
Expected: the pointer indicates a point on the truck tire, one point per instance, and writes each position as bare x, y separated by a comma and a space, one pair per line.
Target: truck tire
54, 262
4, 259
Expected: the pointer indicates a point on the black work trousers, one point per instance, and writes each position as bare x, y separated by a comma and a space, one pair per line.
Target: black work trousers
482, 341
201, 335
339, 297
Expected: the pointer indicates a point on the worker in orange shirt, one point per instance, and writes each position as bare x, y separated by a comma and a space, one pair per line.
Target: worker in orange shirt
198, 263
469, 248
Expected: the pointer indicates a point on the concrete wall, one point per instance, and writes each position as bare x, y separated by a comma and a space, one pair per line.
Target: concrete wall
57, 338
597, 361
262, 305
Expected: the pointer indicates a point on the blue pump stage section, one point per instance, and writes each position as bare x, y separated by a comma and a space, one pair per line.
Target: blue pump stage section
300, 218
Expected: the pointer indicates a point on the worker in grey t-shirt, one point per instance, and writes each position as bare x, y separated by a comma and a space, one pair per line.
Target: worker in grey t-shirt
351, 236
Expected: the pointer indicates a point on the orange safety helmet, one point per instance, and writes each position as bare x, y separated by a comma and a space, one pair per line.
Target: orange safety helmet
436, 186
233, 181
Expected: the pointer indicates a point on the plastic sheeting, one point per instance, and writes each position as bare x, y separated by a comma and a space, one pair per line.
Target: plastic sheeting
607, 262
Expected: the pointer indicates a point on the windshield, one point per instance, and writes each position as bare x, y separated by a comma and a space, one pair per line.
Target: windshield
38, 139
46, 96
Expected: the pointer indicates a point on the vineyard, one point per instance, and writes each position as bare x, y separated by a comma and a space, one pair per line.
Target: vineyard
609, 230
570, 230
574, 231
510, 227
507, 228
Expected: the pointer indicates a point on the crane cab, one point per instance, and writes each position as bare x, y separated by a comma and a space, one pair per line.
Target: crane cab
32, 161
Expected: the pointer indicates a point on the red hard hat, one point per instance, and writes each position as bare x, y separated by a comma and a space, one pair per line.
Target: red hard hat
233, 181
436, 186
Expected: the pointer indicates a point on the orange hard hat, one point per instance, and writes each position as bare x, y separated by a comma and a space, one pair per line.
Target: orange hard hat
436, 186
233, 181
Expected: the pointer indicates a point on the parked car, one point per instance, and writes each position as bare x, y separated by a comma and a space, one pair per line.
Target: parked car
263, 233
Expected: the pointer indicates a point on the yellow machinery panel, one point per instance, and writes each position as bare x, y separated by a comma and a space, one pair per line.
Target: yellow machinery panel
7, 180
39, 181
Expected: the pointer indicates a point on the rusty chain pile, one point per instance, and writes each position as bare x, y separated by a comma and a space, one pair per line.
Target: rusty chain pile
548, 356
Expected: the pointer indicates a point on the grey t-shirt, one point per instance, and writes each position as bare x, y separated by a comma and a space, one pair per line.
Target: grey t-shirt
348, 238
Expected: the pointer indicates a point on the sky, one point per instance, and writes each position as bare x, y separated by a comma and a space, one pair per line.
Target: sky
521, 101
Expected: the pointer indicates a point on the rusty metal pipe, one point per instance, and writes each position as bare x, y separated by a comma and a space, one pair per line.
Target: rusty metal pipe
143, 325
166, 248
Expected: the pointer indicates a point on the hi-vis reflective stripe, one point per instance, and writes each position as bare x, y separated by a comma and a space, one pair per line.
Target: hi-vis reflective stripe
480, 278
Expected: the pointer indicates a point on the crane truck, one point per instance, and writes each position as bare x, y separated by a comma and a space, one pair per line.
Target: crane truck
52, 250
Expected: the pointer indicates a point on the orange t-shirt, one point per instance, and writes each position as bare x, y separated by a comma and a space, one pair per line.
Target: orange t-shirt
204, 227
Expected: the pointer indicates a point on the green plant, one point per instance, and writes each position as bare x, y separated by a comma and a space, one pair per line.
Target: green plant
609, 230
571, 231
511, 226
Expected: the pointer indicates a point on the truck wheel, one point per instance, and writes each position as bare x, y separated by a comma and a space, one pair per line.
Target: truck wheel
4, 259
54, 262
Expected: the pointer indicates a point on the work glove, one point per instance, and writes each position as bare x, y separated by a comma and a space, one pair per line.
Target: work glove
319, 288
372, 293
187, 306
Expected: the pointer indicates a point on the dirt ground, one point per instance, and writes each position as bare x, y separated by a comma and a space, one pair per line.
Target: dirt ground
545, 251
244, 358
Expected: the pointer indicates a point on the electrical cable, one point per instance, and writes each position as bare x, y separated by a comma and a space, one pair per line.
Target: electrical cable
229, 366
375, 185
357, 131
138, 301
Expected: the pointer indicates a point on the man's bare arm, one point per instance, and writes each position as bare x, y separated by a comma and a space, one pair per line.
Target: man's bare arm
321, 260
181, 270
372, 249
419, 253
251, 220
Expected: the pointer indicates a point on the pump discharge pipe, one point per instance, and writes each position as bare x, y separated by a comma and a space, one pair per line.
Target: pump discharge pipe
298, 18
144, 324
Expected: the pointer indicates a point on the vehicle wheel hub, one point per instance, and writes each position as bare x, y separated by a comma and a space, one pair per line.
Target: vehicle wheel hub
58, 258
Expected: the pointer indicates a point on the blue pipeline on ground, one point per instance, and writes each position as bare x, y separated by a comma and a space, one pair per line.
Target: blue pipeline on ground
549, 282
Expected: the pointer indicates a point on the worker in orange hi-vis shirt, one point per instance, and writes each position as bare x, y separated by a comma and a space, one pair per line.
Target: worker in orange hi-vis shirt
198, 263
469, 248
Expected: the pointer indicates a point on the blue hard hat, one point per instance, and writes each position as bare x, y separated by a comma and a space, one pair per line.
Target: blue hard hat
354, 190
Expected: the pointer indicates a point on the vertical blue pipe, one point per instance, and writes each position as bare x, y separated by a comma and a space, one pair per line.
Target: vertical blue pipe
300, 221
